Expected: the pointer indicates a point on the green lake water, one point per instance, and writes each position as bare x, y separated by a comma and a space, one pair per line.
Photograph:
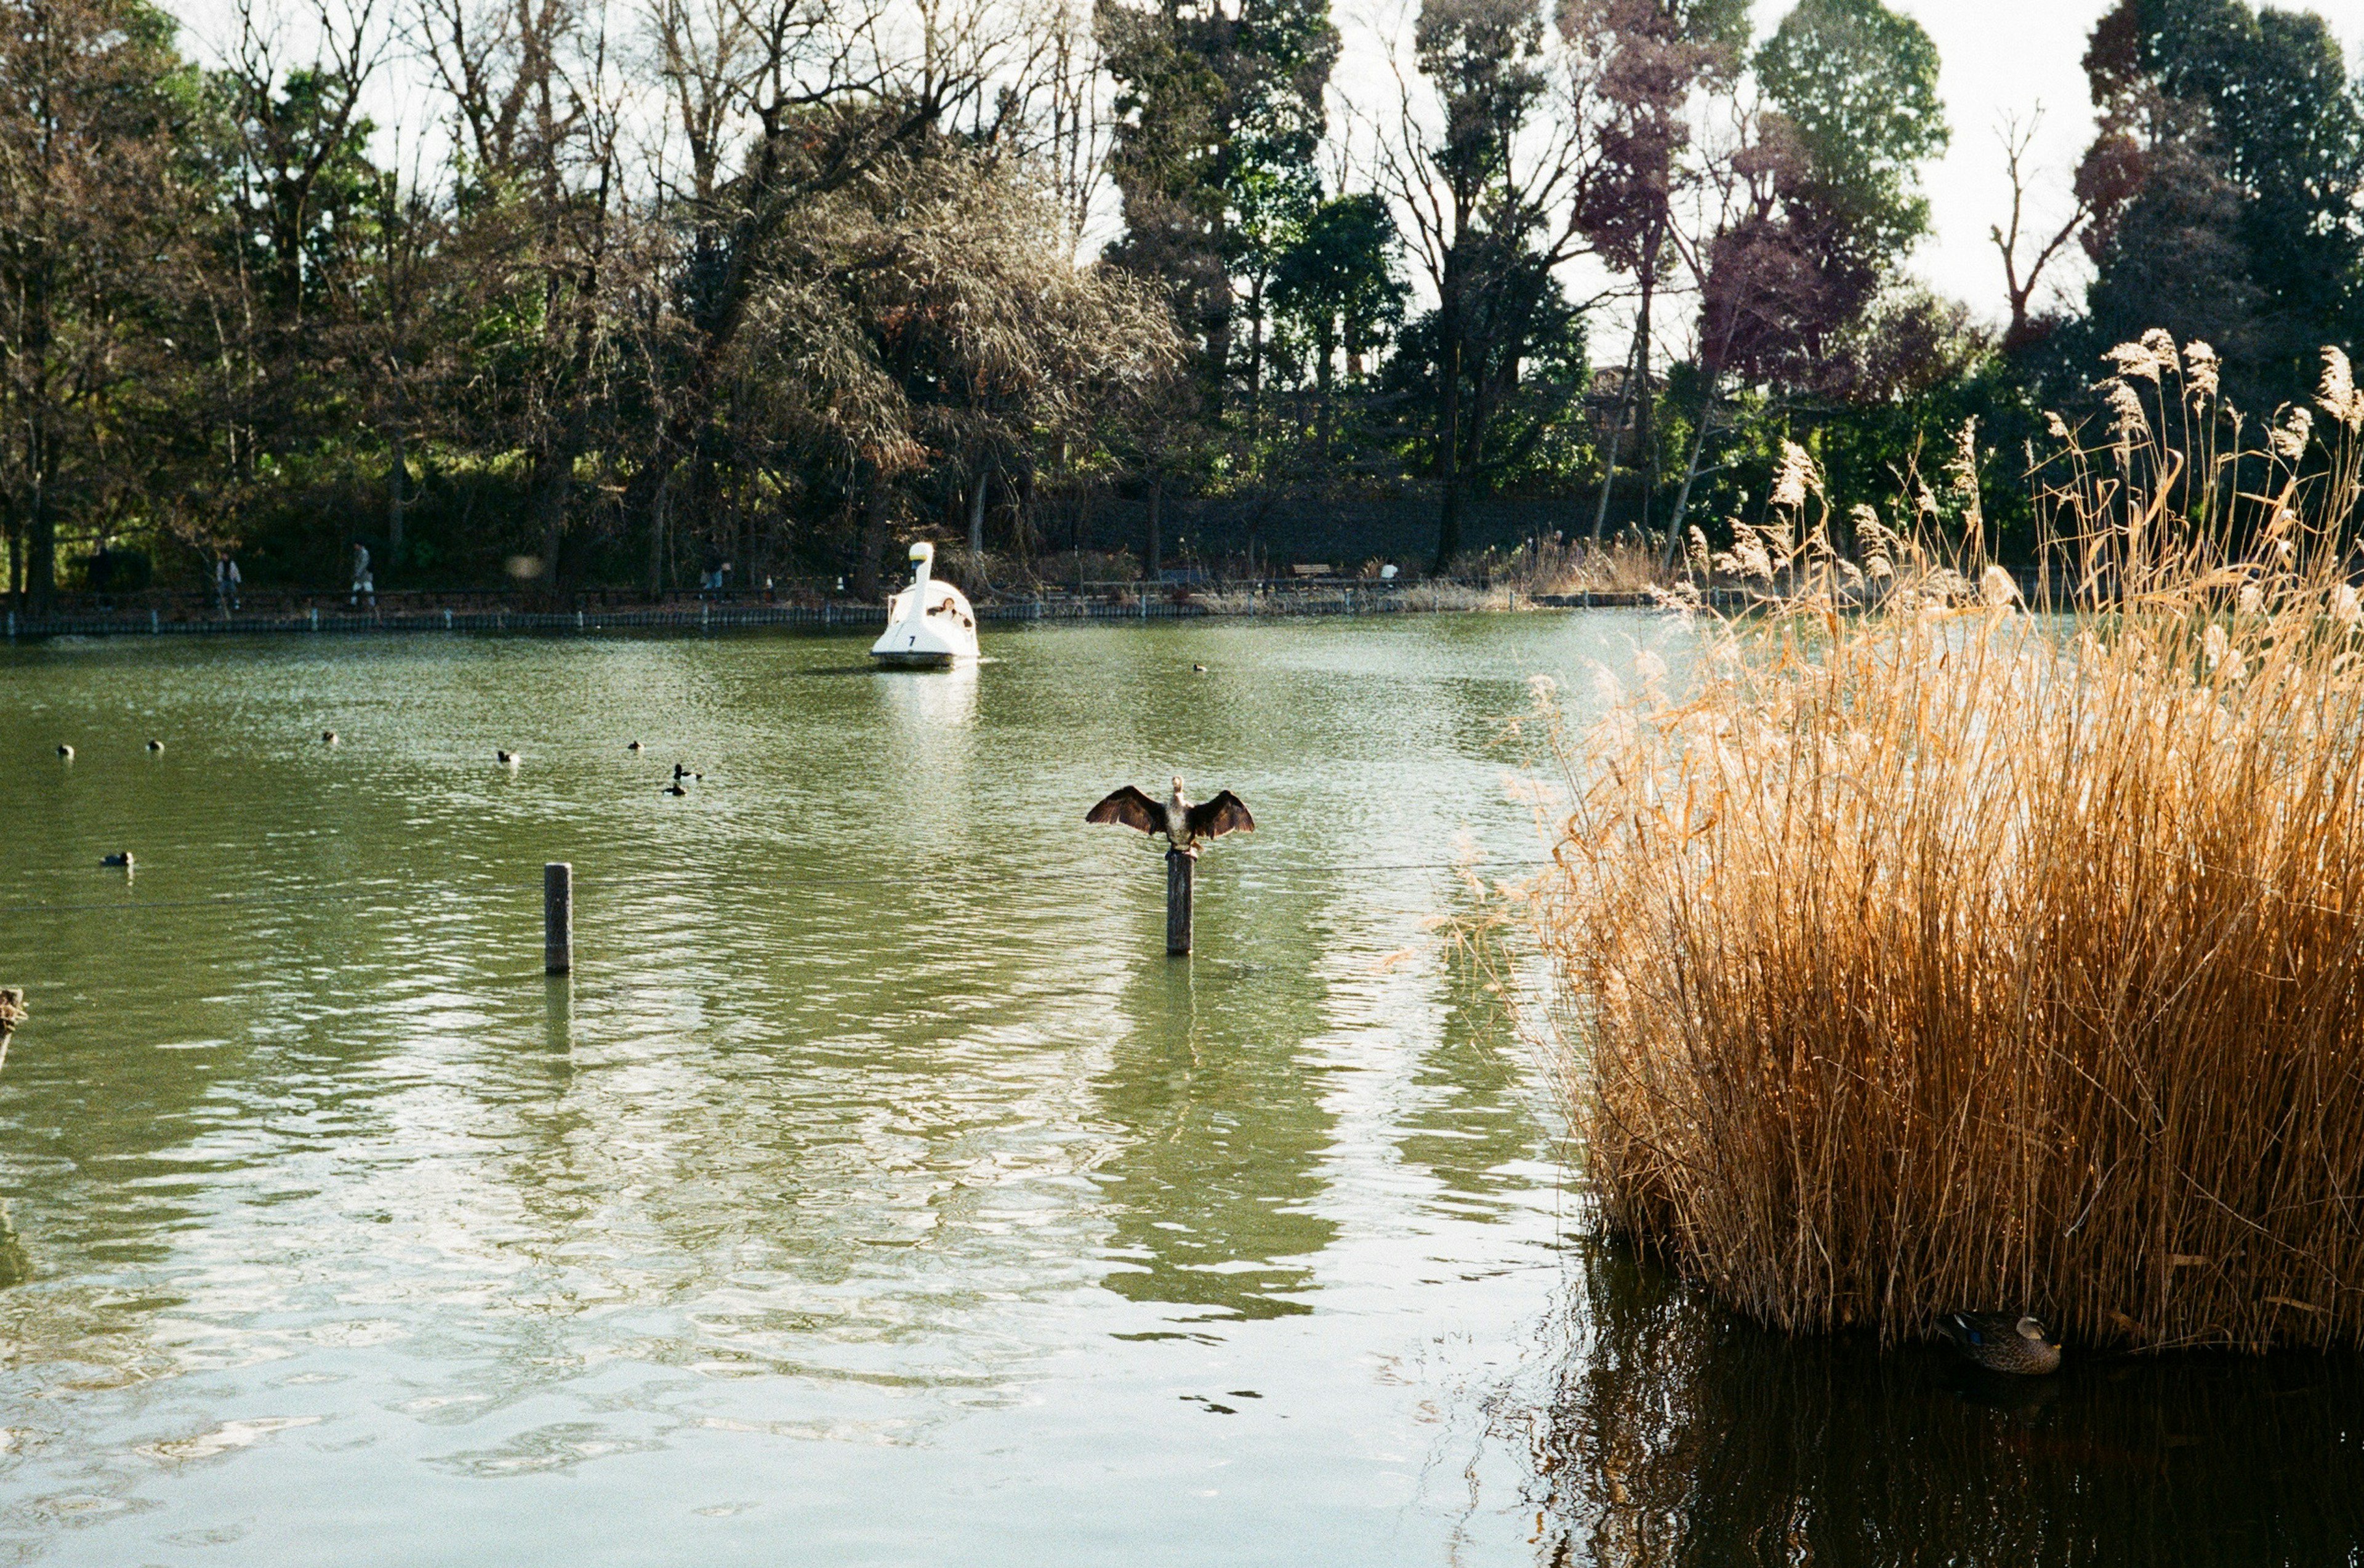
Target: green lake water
876, 1191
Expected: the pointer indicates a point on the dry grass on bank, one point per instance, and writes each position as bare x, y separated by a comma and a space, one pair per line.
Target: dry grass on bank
1554, 565
1945, 956
1417, 595
1457, 597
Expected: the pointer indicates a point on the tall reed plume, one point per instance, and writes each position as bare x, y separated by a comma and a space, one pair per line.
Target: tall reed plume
1921, 950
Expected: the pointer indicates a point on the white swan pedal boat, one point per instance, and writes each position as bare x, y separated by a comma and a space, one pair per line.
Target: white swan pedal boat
930, 625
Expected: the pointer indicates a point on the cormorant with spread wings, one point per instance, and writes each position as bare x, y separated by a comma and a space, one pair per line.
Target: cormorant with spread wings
1182, 823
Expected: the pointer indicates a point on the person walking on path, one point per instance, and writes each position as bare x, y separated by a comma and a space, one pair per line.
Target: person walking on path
364, 584
710, 581
226, 583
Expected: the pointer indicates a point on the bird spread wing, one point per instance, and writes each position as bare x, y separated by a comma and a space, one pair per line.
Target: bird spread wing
1128, 807
1224, 814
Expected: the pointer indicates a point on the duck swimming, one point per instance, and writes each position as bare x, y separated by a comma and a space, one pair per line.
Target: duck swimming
328, 738
508, 759
633, 747
674, 788
121, 858
155, 745
1182, 823
67, 752
2001, 1343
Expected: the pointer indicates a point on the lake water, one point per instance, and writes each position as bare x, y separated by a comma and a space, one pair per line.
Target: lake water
877, 1191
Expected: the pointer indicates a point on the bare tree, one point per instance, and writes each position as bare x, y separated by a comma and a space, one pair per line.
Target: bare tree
2019, 289
296, 125
1652, 60
87, 207
1487, 185
527, 79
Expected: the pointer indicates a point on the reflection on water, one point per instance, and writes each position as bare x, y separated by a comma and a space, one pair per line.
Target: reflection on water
876, 1186
1674, 1434
1477, 1125
925, 705
1216, 1187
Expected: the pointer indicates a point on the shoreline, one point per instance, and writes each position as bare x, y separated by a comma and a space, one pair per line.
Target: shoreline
708, 617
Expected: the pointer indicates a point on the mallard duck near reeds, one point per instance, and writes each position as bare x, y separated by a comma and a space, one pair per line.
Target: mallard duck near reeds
2001, 1341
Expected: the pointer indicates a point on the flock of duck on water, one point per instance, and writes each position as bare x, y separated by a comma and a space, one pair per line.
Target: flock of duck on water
125, 859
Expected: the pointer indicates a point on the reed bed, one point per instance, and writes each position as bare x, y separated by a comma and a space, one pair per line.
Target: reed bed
1924, 950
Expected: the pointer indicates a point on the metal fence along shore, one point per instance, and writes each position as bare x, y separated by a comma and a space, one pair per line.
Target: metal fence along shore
268, 613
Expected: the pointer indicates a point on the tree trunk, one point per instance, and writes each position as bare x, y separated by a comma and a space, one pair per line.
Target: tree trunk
977, 519
876, 508
1642, 456
398, 482
658, 515
42, 553
1690, 473
551, 473
1021, 527
1255, 358
1154, 559
1325, 423
1448, 518
1616, 437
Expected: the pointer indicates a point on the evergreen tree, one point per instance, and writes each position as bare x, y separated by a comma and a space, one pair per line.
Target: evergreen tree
1218, 113
1337, 283
2223, 174
1488, 197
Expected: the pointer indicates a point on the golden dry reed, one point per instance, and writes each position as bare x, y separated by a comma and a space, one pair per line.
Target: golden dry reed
1924, 950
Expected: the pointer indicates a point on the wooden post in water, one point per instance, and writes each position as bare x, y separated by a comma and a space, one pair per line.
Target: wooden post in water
1183, 825
1179, 867
558, 918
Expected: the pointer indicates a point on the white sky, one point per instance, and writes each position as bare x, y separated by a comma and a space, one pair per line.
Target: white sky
2007, 57
1999, 57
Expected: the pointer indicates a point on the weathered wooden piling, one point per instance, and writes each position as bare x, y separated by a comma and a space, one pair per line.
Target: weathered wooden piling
1179, 867
558, 918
